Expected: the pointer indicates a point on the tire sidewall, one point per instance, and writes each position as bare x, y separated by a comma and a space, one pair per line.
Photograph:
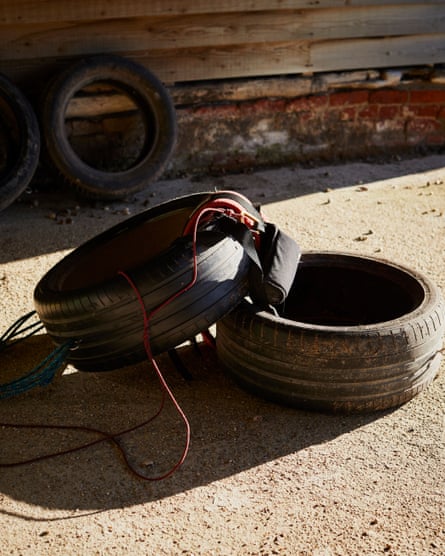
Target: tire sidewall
336, 368
150, 95
26, 157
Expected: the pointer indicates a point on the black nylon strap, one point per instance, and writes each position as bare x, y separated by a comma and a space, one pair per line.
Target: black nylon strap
243, 235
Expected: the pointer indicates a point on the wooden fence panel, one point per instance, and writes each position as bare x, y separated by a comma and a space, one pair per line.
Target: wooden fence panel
163, 33
205, 39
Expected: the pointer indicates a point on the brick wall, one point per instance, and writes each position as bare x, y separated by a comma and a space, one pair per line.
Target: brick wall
236, 124
347, 124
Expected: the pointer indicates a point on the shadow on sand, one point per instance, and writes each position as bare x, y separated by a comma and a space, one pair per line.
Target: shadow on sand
53, 220
231, 431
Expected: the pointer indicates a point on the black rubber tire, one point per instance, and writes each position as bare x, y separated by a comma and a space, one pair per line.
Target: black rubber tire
20, 131
83, 299
358, 334
149, 94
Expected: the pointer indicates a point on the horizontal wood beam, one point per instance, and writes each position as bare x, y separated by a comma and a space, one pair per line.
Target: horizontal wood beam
378, 53
253, 60
45, 11
163, 33
99, 101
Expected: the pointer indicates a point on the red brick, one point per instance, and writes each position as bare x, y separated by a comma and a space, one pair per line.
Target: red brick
436, 139
353, 97
388, 96
423, 124
369, 112
310, 104
264, 105
422, 110
213, 111
389, 112
305, 116
428, 96
347, 114
390, 126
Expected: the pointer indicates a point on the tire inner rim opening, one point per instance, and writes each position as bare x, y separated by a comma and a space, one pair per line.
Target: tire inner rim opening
337, 295
118, 135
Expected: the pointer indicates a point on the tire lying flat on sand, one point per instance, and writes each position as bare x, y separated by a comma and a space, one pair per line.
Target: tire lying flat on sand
84, 299
356, 334
20, 142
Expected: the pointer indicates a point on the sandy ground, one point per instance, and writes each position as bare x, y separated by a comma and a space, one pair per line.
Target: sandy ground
259, 478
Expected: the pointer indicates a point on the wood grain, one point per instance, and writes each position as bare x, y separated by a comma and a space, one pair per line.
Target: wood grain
44, 11
162, 33
190, 41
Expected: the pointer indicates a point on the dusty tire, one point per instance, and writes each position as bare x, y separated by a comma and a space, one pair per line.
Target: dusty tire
82, 298
20, 142
357, 334
147, 93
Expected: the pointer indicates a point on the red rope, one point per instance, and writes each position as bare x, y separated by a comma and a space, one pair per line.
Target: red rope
147, 316
114, 438
161, 378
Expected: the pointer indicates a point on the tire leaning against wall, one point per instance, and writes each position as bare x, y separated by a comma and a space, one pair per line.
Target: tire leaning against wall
339, 366
21, 134
152, 98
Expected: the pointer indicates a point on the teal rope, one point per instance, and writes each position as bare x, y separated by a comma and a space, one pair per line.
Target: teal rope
7, 339
44, 372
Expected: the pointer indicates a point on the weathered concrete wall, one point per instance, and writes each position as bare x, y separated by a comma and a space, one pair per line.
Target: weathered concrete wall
332, 124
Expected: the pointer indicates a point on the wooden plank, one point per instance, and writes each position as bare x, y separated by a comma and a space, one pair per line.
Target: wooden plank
259, 59
99, 105
377, 53
235, 61
277, 87
45, 11
182, 65
100, 102
294, 58
155, 33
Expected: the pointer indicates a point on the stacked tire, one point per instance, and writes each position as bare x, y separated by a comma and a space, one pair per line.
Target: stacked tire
145, 91
85, 299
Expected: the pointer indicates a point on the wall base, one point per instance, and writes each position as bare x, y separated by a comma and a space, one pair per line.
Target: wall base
348, 120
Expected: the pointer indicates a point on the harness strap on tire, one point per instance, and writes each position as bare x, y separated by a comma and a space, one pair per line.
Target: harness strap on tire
233, 205
274, 254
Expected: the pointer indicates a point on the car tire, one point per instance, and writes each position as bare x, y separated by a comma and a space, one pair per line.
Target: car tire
152, 99
21, 142
356, 334
84, 300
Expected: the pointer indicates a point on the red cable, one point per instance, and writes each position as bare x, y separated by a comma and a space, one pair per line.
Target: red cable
166, 390
161, 378
147, 317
